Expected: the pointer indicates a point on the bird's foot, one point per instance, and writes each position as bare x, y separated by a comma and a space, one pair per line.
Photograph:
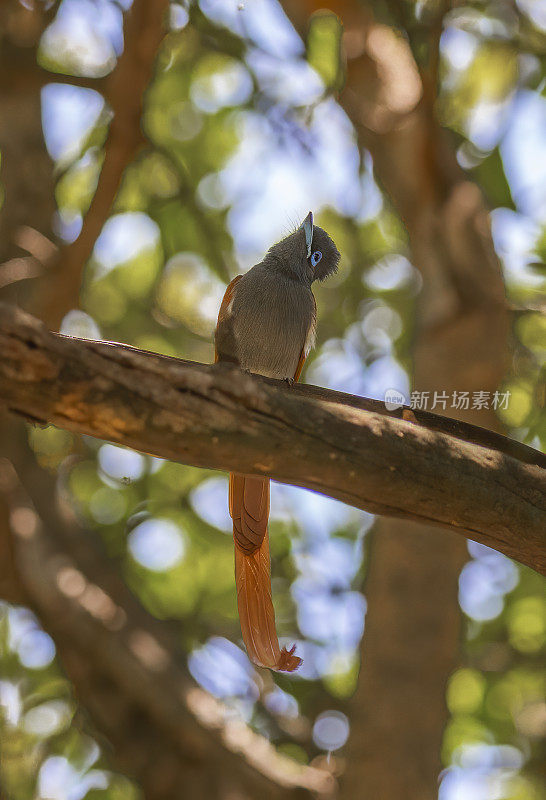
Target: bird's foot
290, 381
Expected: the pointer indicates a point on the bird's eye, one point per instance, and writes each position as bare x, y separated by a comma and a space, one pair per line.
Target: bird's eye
315, 258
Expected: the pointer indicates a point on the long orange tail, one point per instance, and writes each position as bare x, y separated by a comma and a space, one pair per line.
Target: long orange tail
249, 509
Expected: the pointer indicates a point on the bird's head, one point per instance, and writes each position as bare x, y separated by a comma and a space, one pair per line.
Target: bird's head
308, 254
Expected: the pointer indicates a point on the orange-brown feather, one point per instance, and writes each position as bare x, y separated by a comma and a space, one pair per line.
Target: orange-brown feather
256, 613
226, 300
301, 362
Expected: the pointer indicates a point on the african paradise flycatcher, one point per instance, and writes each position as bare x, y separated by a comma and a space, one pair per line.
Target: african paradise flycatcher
266, 325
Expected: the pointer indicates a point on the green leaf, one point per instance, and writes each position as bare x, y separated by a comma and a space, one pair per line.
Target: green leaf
490, 176
324, 48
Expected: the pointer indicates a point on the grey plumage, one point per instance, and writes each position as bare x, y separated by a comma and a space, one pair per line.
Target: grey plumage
270, 317
273, 316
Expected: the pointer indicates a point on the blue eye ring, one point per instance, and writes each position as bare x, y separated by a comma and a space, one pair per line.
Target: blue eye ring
315, 258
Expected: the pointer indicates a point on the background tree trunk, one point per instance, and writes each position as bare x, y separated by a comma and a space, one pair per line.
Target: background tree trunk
28, 202
412, 633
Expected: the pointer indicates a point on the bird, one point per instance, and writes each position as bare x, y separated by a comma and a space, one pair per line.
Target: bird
266, 326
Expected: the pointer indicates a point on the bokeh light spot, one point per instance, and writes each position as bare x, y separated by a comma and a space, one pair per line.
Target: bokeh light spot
157, 544
331, 730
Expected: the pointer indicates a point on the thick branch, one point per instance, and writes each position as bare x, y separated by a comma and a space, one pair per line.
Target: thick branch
220, 418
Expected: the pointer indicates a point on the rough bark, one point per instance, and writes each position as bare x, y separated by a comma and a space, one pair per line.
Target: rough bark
218, 417
460, 344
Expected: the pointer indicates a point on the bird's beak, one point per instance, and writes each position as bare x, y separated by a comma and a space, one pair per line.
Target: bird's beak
307, 226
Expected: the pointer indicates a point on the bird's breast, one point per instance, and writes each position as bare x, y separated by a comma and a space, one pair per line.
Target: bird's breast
273, 319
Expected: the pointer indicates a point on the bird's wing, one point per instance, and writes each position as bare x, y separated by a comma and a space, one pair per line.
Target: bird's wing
223, 314
301, 362
308, 344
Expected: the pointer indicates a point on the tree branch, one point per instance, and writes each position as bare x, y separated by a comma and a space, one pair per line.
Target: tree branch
20, 73
476, 483
144, 30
